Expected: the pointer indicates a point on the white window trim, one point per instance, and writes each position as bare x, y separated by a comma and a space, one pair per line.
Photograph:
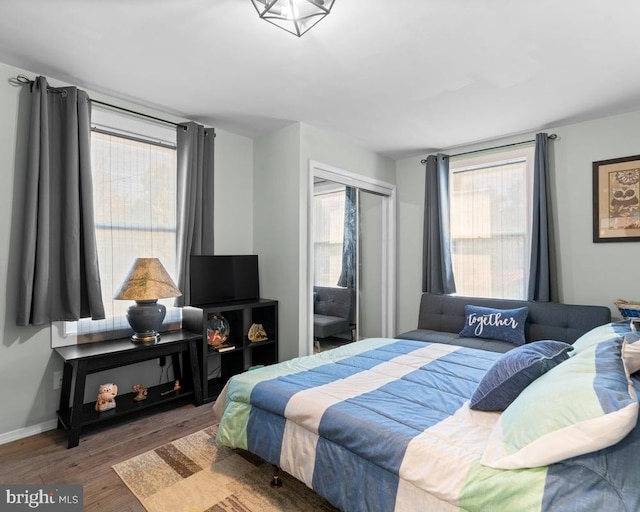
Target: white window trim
498, 157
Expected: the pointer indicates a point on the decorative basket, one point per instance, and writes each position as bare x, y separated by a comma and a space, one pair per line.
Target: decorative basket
628, 309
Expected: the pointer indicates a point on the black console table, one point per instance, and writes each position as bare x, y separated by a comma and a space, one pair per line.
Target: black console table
81, 360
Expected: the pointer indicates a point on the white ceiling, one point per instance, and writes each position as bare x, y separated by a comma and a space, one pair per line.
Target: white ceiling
400, 77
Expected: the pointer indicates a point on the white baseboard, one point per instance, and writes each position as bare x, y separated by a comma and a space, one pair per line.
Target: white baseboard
21, 433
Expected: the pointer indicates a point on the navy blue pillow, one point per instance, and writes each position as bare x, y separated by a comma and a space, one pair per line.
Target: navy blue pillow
495, 324
514, 371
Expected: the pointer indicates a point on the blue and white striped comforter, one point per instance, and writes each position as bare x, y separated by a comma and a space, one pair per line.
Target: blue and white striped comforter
384, 425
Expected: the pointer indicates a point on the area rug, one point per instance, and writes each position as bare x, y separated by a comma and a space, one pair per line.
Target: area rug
192, 474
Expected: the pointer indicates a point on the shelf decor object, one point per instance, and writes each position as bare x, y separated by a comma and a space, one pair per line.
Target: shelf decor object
217, 330
141, 392
294, 16
106, 399
147, 282
257, 333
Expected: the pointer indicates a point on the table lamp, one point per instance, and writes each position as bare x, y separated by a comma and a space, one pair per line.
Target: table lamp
147, 282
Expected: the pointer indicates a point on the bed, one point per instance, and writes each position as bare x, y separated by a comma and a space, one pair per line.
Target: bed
386, 424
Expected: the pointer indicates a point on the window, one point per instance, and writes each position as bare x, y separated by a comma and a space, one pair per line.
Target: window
134, 191
328, 234
491, 223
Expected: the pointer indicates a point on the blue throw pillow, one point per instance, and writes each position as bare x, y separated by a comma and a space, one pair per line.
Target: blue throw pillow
514, 371
495, 324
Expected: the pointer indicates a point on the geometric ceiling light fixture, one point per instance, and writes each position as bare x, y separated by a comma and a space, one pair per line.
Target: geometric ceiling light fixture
295, 16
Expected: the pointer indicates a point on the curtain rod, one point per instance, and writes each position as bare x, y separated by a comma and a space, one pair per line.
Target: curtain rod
553, 136
23, 80
136, 113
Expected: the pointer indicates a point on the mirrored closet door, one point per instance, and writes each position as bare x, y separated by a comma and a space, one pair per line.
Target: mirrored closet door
351, 248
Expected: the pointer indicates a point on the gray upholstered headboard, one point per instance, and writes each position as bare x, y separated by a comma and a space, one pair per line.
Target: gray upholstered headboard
546, 320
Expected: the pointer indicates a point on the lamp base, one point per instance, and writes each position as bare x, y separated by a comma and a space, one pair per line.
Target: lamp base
139, 337
145, 318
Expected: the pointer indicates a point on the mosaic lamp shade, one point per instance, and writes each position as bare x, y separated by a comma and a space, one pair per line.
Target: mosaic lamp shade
147, 282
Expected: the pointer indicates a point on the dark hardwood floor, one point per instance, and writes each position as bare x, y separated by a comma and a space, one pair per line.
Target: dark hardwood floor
45, 459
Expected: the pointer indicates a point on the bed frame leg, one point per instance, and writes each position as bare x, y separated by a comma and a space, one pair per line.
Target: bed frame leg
276, 482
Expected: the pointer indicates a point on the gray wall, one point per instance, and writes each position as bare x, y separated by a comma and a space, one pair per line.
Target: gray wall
281, 183
27, 362
589, 273
277, 228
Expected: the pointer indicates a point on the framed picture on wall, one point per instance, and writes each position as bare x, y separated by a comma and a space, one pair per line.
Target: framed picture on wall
616, 200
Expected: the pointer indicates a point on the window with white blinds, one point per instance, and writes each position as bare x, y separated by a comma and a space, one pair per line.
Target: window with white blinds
134, 191
491, 223
328, 234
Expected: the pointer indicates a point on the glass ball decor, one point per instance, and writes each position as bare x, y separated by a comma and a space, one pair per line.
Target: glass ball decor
217, 330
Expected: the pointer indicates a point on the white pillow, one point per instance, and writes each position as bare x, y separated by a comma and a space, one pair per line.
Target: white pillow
584, 404
632, 351
611, 331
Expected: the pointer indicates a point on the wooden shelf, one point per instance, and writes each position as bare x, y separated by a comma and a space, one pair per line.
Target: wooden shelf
240, 315
81, 360
125, 404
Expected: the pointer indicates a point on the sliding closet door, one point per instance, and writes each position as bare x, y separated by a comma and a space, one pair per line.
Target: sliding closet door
375, 262
370, 244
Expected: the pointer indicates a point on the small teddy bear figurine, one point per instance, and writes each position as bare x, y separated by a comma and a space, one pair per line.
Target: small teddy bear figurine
106, 397
141, 390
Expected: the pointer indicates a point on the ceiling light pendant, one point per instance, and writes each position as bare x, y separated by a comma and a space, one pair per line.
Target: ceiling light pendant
295, 16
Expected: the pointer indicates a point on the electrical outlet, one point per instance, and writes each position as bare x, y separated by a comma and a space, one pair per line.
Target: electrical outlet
57, 379
162, 360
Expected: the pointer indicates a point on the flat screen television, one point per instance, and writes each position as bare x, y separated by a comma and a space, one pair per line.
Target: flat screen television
218, 279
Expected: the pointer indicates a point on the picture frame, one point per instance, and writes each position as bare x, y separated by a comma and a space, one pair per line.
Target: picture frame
616, 200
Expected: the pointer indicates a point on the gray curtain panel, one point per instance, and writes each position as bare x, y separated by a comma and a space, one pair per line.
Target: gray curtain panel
542, 272
195, 151
437, 273
59, 277
347, 277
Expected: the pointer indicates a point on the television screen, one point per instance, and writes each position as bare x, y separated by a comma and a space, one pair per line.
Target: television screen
217, 279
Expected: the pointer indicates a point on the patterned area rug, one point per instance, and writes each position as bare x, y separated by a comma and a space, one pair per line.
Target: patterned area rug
192, 474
